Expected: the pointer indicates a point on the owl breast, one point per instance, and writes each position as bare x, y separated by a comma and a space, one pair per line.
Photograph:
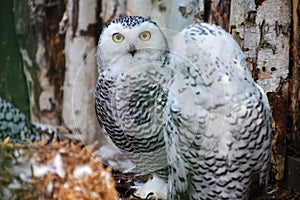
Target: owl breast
130, 106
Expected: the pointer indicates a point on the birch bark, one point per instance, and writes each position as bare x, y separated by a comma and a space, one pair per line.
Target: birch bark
262, 29
78, 111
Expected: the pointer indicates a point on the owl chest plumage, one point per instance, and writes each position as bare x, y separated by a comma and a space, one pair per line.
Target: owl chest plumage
130, 106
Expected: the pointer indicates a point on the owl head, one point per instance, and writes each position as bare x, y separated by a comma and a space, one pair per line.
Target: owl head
128, 41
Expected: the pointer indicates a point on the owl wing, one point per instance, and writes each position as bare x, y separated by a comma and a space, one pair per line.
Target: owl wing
218, 129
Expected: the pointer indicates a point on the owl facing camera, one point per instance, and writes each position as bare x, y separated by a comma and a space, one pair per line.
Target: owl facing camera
186, 111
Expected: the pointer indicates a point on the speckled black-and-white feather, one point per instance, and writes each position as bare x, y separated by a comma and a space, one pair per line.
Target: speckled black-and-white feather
130, 21
193, 107
222, 120
130, 97
15, 125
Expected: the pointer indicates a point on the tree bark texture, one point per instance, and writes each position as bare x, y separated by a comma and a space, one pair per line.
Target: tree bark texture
78, 110
295, 75
41, 48
57, 42
262, 29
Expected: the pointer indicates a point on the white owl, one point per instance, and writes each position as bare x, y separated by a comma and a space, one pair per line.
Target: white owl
189, 115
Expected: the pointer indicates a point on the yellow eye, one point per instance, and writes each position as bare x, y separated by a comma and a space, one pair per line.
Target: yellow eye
117, 37
146, 35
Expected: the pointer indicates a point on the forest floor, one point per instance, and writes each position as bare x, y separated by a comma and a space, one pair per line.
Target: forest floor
39, 171
125, 183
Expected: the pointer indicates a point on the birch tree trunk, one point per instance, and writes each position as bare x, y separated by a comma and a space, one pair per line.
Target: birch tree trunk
57, 42
169, 14
41, 48
262, 30
78, 110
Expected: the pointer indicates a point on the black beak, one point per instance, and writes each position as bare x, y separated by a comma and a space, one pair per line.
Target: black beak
132, 50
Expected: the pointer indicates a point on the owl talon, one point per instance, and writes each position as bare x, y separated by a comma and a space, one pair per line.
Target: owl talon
155, 188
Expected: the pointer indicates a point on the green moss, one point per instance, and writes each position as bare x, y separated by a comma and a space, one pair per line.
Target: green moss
12, 80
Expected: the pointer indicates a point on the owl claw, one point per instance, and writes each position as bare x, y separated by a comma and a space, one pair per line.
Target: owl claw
156, 188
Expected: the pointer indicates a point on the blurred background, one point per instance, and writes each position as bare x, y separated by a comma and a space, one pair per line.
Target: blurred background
13, 85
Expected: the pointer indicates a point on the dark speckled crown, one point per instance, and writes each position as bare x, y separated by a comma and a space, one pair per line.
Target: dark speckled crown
129, 21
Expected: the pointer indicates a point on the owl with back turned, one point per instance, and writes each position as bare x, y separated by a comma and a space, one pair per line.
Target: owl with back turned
186, 112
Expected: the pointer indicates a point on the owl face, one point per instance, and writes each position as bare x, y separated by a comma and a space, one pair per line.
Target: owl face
130, 41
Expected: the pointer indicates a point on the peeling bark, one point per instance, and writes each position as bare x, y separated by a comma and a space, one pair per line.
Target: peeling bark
218, 12
41, 48
278, 103
294, 80
112, 9
80, 76
169, 14
273, 19
184, 13
262, 30
57, 43
244, 29
156, 10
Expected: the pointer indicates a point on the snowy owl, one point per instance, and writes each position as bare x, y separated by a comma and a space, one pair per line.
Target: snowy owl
187, 112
